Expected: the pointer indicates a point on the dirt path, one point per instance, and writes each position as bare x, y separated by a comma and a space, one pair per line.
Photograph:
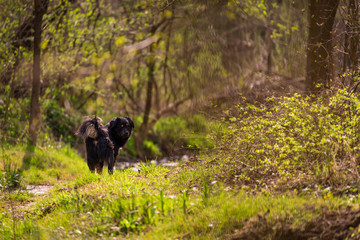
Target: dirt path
38, 189
19, 208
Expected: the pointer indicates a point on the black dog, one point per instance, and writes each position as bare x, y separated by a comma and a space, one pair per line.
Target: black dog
119, 132
99, 148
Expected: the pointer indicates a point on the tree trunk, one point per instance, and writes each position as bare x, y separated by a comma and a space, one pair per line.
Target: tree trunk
40, 9
139, 139
346, 47
354, 36
149, 89
268, 39
320, 66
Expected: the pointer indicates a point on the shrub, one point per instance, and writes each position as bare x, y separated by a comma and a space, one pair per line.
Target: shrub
172, 133
16, 113
151, 149
294, 140
169, 130
60, 123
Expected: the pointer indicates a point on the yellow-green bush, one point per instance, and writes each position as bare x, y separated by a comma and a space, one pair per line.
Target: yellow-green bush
294, 140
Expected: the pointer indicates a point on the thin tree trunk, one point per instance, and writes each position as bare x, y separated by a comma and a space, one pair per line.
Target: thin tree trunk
320, 66
166, 58
149, 88
346, 48
354, 36
34, 122
139, 139
268, 38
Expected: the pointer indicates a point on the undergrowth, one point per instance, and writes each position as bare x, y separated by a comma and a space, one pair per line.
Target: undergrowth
290, 143
171, 135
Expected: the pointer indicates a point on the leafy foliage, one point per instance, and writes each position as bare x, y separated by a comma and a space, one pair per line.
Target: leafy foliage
16, 115
292, 141
183, 133
61, 123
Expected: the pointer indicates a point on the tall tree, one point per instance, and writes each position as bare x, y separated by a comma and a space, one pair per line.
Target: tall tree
353, 21
351, 37
320, 66
39, 11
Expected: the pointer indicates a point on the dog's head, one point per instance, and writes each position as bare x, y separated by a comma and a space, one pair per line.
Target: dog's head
121, 127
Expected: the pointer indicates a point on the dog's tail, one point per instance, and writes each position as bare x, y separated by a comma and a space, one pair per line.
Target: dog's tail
90, 128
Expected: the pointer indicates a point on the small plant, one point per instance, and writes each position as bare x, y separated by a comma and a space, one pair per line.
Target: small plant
148, 210
162, 202
132, 214
10, 176
206, 191
184, 200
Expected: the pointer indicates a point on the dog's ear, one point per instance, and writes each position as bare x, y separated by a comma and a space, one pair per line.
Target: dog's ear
130, 121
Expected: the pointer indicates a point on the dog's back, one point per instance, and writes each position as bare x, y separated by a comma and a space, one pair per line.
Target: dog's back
89, 128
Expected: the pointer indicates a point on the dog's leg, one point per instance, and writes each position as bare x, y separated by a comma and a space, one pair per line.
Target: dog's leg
91, 154
91, 162
111, 164
98, 169
92, 169
116, 151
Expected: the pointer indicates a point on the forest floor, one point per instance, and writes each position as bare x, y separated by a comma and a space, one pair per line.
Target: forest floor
159, 202
330, 225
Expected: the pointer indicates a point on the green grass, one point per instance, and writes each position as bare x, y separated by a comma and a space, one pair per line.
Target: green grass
134, 205
189, 133
149, 204
44, 165
21, 166
227, 212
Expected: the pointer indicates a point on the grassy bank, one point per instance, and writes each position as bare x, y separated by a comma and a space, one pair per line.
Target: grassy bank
149, 204
156, 203
43, 165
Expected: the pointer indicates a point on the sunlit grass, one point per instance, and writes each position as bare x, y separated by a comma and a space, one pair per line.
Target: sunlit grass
45, 165
84, 215
147, 204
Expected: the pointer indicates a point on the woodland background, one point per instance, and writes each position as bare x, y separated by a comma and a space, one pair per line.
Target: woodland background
154, 60
254, 103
